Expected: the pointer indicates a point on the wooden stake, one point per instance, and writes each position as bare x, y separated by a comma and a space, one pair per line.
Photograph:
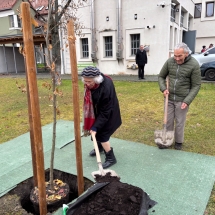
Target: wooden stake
34, 103
74, 73
33, 150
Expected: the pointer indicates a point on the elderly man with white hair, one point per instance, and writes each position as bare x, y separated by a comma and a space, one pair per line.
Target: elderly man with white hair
101, 111
184, 84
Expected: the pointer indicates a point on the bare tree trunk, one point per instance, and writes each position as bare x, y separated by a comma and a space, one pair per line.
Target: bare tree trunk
56, 58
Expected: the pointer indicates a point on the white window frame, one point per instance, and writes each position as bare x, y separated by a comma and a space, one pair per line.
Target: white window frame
182, 17
131, 44
102, 36
82, 51
203, 14
109, 45
172, 14
210, 2
196, 8
15, 22
128, 33
79, 48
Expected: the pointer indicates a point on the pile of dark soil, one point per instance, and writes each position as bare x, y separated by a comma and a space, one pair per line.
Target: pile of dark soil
109, 196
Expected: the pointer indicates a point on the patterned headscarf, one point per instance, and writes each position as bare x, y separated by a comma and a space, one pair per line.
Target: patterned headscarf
90, 72
88, 110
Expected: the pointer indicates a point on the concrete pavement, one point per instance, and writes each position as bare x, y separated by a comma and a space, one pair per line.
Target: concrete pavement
133, 78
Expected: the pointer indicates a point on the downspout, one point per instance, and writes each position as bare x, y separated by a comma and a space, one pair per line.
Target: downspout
119, 30
93, 31
62, 51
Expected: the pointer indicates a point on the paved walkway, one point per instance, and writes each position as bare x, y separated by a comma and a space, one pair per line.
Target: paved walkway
68, 76
148, 78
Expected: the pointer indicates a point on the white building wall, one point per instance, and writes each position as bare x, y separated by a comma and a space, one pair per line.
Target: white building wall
161, 37
205, 27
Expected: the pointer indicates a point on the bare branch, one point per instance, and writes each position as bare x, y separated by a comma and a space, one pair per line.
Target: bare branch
64, 9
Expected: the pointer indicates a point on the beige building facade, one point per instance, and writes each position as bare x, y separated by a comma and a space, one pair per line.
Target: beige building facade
115, 29
204, 23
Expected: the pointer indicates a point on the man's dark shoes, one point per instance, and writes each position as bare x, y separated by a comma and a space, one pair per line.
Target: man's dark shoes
178, 146
93, 152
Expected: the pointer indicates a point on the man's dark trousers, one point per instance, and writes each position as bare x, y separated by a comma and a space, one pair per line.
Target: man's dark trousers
141, 71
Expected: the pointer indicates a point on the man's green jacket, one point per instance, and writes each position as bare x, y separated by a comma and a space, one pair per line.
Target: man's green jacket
184, 79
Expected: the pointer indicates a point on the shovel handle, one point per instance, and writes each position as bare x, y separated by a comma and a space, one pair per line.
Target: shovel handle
166, 102
98, 157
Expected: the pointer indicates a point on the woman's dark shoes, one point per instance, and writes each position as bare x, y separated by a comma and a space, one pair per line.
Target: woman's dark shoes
93, 152
109, 159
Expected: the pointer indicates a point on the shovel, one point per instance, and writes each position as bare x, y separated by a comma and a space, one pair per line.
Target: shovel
101, 171
164, 138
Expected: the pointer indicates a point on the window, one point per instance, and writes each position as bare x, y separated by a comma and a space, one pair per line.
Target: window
189, 20
209, 9
198, 10
14, 21
182, 19
12, 25
135, 43
108, 46
85, 49
19, 22
172, 17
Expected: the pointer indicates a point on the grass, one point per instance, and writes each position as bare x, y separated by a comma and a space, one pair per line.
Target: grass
141, 106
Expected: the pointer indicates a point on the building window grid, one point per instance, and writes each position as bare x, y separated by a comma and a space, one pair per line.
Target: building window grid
85, 49
108, 46
198, 10
209, 9
15, 21
188, 24
182, 19
135, 43
12, 24
19, 22
172, 17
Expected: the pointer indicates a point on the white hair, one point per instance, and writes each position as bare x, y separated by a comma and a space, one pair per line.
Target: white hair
184, 47
98, 79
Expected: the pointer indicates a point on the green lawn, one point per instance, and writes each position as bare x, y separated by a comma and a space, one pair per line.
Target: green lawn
141, 106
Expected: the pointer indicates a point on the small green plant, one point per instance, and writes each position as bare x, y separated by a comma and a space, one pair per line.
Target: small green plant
41, 65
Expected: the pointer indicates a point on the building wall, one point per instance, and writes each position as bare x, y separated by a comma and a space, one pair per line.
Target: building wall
205, 27
5, 24
161, 36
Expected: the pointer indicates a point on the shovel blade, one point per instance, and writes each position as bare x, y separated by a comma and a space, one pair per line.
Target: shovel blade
104, 172
164, 138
